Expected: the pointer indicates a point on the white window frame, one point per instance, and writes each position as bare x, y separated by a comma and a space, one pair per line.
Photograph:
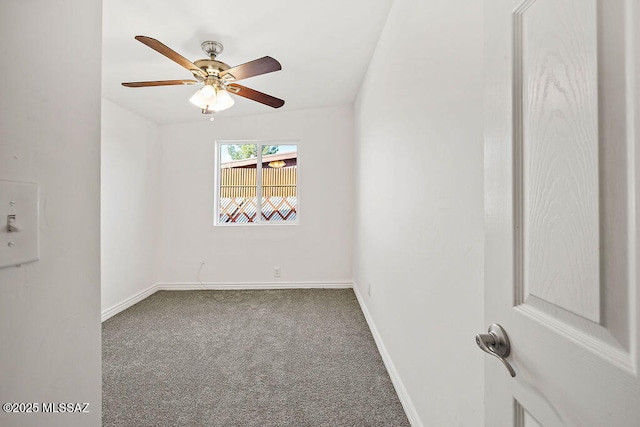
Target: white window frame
259, 221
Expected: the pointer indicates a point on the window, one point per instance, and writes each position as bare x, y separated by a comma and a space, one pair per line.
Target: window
257, 182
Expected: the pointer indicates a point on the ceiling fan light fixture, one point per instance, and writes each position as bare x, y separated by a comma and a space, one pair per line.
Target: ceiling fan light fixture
204, 99
208, 91
224, 100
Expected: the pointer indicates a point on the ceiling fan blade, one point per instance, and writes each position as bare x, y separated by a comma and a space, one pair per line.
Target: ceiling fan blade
254, 68
172, 55
254, 95
160, 83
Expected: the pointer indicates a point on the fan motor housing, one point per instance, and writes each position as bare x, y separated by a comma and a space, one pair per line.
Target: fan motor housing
211, 66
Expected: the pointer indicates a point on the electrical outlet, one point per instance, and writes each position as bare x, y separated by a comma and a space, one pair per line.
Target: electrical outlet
276, 271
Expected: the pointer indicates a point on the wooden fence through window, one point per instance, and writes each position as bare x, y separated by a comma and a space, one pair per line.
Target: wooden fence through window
238, 195
241, 182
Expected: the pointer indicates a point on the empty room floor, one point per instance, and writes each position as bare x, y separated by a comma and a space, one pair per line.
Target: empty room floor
245, 358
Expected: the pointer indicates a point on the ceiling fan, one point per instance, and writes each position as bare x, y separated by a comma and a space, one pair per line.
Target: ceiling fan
217, 77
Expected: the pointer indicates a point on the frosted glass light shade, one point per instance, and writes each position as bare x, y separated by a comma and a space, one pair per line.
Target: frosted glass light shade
208, 91
211, 99
204, 98
224, 100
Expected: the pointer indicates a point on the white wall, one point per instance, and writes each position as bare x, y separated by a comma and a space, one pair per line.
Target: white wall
419, 213
50, 134
319, 249
129, 203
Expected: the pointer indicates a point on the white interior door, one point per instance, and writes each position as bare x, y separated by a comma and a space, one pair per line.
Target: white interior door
562, 180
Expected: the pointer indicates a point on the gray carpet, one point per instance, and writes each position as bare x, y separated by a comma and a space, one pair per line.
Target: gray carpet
245, 358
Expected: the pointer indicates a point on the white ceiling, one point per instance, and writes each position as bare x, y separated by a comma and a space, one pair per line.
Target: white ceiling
324, 47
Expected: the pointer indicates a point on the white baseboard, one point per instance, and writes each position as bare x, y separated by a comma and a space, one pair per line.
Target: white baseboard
194, 286
403, 395
110, 312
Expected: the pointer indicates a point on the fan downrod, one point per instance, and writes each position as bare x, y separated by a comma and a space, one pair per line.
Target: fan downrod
212, 48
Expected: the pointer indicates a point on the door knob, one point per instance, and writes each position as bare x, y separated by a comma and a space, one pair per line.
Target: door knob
496, 343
